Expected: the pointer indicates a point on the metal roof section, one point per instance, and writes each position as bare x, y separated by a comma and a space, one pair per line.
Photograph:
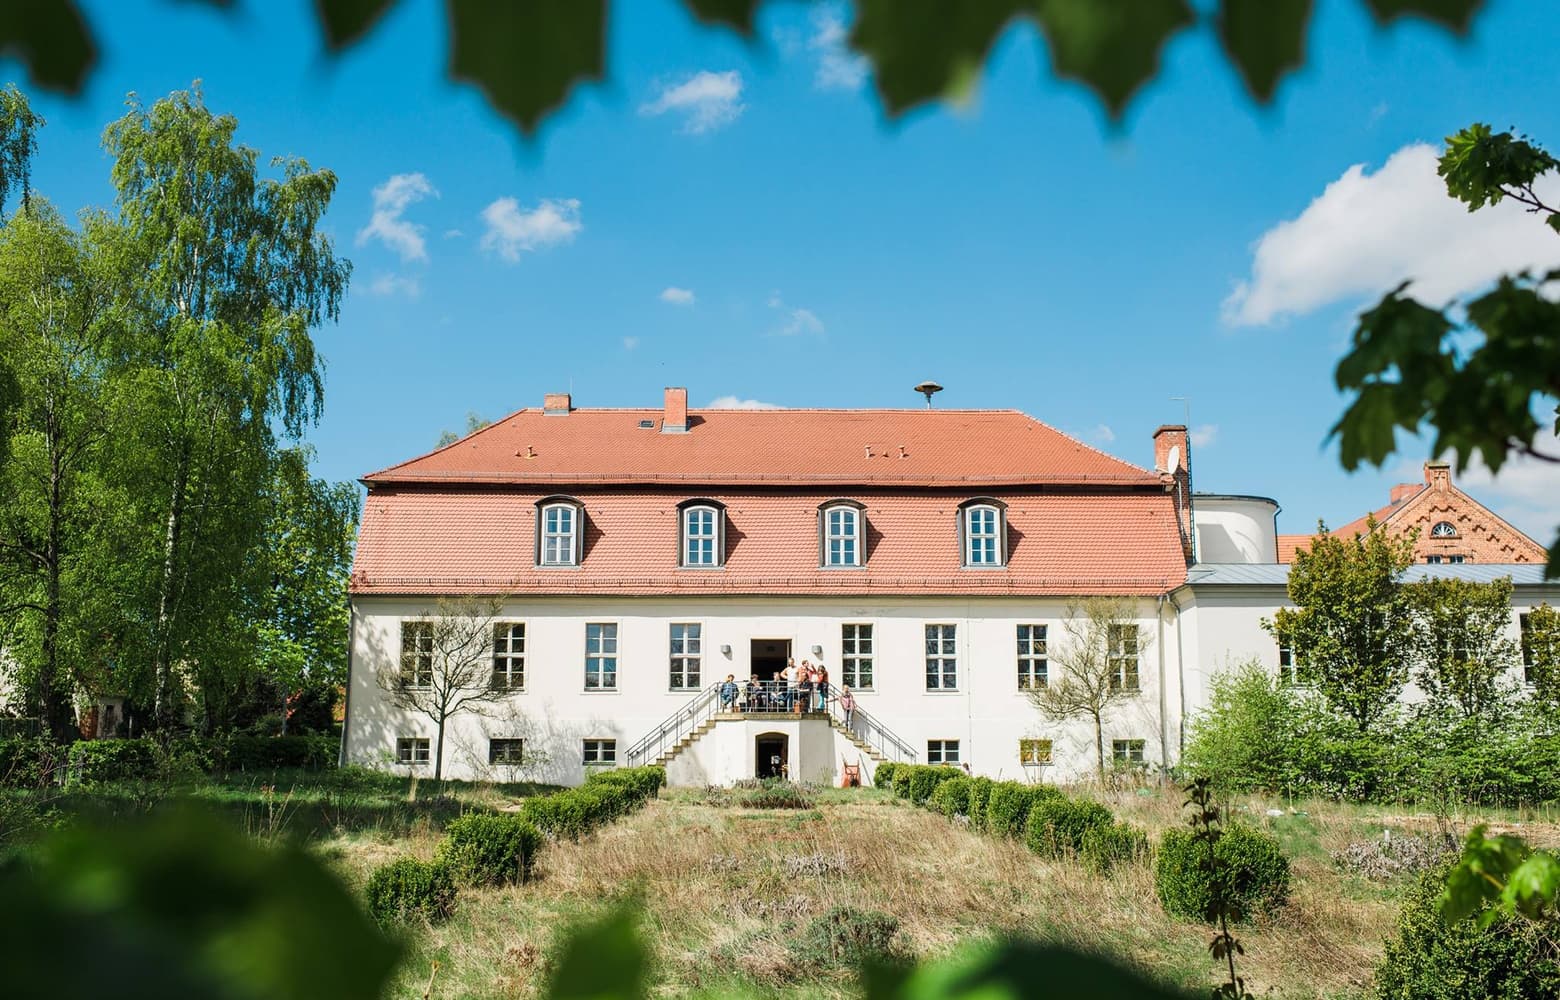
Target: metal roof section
1277, 574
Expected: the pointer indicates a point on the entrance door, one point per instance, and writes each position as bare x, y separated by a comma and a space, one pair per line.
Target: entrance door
769, 657
771, 755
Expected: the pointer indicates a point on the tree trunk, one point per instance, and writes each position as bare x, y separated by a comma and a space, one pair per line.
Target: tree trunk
1099, 748
438, 758
162, 657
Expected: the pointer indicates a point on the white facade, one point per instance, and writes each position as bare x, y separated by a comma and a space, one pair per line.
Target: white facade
1235, 529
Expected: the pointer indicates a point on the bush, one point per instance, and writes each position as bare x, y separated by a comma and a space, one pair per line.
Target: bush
1057, 825
902, 781
1252, 869
29, 761
98, 761
952, 797
405, 890
846, 936
1105, 847
490, 848
925, 778
883, 775
980, 794
1231, 741
775, 794
644, 783
605, 796
1009, 804
1429, 958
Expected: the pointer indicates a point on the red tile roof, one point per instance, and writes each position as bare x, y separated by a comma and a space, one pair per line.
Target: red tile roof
754, 447
441, 540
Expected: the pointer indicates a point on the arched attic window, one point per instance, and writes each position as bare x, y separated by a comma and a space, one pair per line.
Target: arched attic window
701, 531
842, 534
983, 533
560, 530
1443, 529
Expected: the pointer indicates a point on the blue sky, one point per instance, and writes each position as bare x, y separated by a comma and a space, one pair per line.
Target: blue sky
1019, 249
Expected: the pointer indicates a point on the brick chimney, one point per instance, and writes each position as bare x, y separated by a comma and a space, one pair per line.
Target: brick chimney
1402, 491
1438, 476
675, 419
1178, 480
556, 404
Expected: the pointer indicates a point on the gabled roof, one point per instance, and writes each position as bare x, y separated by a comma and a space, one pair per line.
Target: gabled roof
923, 447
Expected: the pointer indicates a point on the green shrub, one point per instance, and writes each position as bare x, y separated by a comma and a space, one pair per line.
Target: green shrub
883, 775
1429, 958
845, 936
1231, 741
99, 761
952, 797
406, 890
29, 761
644, 783
490, 848
902, 780
1057, 825
980, 794
605, 796
1009, 804
774, 793
1105, 847
925, 778
1253, 871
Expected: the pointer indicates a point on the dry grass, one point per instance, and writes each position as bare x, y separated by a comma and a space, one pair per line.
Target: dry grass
725, 888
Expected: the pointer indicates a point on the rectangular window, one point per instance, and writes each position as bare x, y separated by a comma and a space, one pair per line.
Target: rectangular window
411, 750
506, 751
1456, 559
1034, 752
942, 663
417, 654
1122, 653
842, 543
558, 532
942, 751
601, 649
686, 654
701, 530
1433, 560
508, 657
1033, 668
1126, 751
856, 656
600, 752
982, 529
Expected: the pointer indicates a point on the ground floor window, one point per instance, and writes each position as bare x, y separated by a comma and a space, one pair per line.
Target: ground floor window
856, 656
1034, 751
601, 751
411, 750
506, 751
942, 751
1126, 751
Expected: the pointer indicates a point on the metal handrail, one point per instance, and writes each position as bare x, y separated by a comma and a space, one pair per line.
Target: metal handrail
866, 728
677, 725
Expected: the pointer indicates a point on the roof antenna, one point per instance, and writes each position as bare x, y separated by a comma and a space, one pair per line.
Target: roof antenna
926, 389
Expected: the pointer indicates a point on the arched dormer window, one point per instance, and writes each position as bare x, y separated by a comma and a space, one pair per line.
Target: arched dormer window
842, 527
1443, 529
560, 528
702, 534
983, 532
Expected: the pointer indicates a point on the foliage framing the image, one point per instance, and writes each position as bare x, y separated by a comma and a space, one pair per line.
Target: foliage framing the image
527, 58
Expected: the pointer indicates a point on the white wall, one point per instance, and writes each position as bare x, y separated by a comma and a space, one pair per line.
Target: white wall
987, 713
1232, 529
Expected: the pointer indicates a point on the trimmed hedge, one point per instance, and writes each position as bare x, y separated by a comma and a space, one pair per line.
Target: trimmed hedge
980, 794
29, 761
952, 797
883, 775
925, 778
604, 797
406, 890
1057, 825
1009, 804
902, 781
490, 848
1432, 959
97, 761
248, 752
1105, 847
1253, 869
645, 782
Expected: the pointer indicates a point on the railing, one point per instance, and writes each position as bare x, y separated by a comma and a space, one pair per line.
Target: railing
680, 723
866, 728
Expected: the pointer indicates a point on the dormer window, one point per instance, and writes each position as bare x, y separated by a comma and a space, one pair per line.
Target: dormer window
983, 531
559, 525
840, 530
1443, 529
703, 529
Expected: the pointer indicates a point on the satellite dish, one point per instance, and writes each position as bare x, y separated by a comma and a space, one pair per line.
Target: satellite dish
1173, 460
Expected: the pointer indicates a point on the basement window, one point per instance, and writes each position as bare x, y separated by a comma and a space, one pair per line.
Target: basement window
412, 750
598, 752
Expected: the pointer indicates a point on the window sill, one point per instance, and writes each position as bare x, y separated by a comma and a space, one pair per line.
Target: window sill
599, 691
941, 691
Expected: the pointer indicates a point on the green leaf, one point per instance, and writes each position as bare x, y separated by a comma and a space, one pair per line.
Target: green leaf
527, 57
1264, 39
603, 960
737, 15
1110, 46
51, 37
345, 21
1019, 971
923, 50
1481, 166
1454, 14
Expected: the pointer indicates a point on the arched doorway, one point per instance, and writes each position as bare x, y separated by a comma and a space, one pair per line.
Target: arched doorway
772, 755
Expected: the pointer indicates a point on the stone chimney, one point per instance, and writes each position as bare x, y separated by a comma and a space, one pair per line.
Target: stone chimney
1438, 476
1172, 447
556, 404
1402, 491
675, 418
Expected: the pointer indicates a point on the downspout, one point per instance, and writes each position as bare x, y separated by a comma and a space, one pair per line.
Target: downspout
1180, 673
1164, 724
346, 704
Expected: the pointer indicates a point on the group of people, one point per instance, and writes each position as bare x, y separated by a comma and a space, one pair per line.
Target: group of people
794, 689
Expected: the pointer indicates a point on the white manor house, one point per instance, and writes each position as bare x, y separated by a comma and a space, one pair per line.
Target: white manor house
926, 558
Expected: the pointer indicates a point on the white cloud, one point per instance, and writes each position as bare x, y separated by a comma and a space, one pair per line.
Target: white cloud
838, 67
1368, 231
395, 284
1204, 435
677, 296
1523, 492
512, 230
734, 403
391, 200
1103, 434
453, 234
707, 101
800, 321
629, 343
